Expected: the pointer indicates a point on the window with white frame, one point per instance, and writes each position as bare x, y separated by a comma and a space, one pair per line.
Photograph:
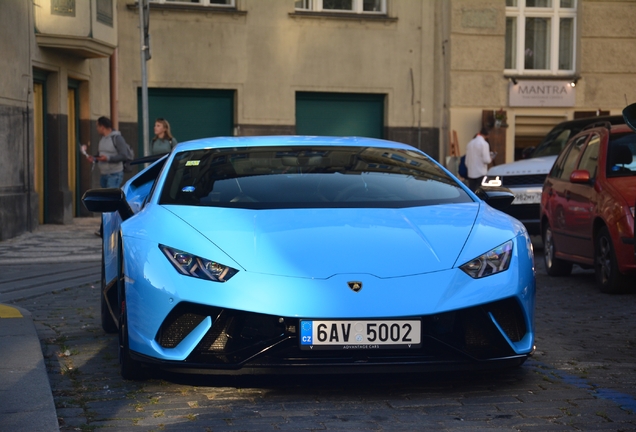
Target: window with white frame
351, 6
540, 37
197, 2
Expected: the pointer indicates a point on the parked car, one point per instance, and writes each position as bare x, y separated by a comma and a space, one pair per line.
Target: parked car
525, 177
629, 114
253, 254
587, 207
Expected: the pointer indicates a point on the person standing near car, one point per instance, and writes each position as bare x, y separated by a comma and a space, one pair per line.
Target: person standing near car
163, 142
478, 156
112, 153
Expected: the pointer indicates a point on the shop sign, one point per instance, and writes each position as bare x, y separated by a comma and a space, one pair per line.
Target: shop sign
63, 7
541, 94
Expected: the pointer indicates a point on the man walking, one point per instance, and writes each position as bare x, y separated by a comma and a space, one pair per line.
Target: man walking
113, 152
478, 156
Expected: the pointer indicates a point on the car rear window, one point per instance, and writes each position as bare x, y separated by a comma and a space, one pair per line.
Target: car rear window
620, 157
300, 177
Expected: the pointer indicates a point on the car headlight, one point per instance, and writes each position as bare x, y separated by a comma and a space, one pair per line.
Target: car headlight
491, 180
492, 262
192, 265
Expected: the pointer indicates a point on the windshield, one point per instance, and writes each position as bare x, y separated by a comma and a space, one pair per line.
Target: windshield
620, 158
299, 177
553, 143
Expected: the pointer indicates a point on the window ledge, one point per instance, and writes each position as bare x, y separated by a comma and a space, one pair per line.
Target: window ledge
564, 77
229, 10
343, 16
83, 47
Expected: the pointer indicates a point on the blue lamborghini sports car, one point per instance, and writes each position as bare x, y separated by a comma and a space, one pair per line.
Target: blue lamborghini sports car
264, 254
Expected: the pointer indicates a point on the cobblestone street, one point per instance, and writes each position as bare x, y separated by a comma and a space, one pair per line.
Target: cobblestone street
582, 377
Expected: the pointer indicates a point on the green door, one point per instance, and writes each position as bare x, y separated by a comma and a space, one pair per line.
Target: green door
192, 114
340, 114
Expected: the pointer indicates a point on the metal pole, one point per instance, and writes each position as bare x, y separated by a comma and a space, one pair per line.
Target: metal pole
144, 75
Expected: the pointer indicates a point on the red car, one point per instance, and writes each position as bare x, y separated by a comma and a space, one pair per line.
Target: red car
587, 207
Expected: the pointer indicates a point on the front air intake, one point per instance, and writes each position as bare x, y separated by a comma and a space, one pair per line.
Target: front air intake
473, 331
509, 316
180, 322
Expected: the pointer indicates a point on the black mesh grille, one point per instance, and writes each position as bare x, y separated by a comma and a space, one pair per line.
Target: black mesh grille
473, 332
519, 180
179, 329
508, 315
525, 212
180, 322
236, 336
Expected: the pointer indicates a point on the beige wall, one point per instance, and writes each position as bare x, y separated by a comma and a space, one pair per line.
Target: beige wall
477, 64
83, 23
16, 23
267, 55
78, 25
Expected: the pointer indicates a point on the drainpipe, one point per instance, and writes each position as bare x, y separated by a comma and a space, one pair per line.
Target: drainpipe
114, 85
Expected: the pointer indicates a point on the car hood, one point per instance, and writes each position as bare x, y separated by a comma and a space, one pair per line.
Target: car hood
321, 243
538, 165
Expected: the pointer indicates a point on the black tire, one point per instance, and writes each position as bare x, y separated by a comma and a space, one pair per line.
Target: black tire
608, 278
128, 368
108, 323
553, 266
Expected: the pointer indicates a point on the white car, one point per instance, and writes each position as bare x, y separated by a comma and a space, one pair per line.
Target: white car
525, 177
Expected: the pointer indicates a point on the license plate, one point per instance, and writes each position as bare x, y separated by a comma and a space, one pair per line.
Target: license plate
376, 334
527, 198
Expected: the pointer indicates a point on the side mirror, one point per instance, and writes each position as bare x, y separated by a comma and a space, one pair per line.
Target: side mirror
496, 197
580, 176
107, 201
629, 115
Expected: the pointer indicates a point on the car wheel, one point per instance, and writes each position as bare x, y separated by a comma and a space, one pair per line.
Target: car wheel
553, 266
108, 323
129, 368
609, 279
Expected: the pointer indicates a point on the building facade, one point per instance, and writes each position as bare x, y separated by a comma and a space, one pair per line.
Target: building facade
537, 63
55, 80
250, 67
428, 73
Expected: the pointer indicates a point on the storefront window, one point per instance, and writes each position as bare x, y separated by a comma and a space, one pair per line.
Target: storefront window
538, 3
352, 6
540, 37
197, 2
537, 47
511, 41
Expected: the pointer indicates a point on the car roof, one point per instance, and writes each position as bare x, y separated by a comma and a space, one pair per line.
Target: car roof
291, 140
575, 126
621, 128
613, 129
612, 119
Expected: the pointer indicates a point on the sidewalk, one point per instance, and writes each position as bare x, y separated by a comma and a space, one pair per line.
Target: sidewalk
26, 401
54, 244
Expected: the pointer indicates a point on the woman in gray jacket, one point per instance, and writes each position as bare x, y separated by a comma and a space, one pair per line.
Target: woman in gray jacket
163, 142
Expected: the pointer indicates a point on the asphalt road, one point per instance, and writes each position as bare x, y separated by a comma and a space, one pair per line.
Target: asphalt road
582, 377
